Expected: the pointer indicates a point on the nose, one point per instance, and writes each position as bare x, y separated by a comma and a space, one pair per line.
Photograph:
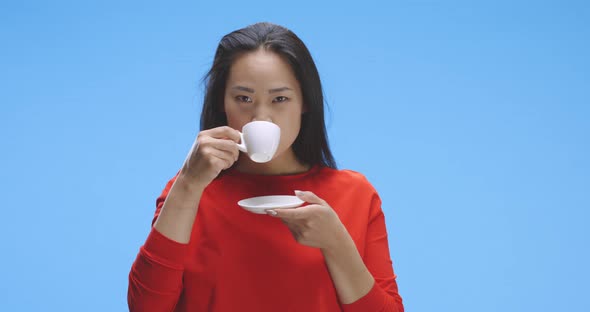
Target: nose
262, 114
262, 119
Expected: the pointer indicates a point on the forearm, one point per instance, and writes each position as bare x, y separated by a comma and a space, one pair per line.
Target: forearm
351, 277
178, 213
155, 280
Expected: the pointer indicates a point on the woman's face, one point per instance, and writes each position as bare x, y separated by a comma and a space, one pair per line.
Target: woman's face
262, 86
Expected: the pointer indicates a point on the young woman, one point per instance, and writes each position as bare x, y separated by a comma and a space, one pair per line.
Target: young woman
206, 253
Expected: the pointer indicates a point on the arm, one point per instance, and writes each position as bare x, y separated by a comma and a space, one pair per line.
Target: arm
351, 277
383, 294
177, 216
363, 284
155, 280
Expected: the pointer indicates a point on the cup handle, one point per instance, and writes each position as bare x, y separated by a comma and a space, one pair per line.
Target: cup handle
242, 145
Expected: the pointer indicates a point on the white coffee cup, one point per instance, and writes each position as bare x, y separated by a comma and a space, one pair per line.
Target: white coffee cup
260, 140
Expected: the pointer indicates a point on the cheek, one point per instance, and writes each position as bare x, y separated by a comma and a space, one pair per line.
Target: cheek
290, 129
235, 118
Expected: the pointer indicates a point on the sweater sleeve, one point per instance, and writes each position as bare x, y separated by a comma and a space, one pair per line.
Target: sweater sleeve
155, 279
384, 296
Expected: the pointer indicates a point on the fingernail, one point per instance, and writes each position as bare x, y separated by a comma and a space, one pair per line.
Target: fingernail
271, 212
298, 193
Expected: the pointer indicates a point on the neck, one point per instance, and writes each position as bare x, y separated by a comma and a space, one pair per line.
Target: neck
283, 164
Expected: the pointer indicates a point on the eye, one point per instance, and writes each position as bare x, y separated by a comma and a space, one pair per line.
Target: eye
280, 99
243, 98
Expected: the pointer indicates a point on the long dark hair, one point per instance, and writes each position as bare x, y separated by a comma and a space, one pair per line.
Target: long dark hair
311, 145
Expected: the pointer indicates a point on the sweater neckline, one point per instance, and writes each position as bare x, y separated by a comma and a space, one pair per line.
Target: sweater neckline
255, 176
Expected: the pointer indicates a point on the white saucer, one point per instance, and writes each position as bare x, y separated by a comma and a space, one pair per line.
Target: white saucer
262, 203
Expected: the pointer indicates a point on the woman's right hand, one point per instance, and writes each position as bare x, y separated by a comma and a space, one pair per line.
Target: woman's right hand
214, 150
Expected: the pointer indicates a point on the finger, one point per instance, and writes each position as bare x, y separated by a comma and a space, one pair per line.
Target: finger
224, 132
310, 197
287, 214
296, 232
226, 157
294, 228
225, 145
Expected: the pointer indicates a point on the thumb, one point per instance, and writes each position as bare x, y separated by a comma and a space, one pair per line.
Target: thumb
309, 197
286, 214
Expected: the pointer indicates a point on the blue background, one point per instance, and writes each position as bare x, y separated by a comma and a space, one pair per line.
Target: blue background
471, 118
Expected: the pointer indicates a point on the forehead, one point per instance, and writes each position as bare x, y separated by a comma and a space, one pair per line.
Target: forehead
261, 67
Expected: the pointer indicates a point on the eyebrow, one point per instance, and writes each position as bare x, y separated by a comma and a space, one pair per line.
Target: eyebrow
250, 90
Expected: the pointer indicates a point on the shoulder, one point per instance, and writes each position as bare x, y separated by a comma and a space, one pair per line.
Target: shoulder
353, 197
347, 178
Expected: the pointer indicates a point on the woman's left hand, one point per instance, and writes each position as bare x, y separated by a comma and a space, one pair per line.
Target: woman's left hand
315, 225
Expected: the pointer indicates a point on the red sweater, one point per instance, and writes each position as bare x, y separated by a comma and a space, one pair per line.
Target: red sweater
240, 261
